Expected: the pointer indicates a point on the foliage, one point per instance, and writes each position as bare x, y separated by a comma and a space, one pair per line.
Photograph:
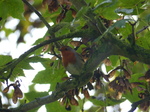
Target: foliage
109, 33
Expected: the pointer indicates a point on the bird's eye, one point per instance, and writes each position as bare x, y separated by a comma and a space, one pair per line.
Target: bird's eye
66, 49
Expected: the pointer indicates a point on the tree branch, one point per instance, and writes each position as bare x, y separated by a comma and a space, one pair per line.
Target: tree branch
135, 104
134, 53
101, 51
12, 64
57, 94
70, 84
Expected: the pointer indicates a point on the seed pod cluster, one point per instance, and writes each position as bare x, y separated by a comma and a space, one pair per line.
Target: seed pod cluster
97, 78
120, 85
144, 106
17, 92
69, 98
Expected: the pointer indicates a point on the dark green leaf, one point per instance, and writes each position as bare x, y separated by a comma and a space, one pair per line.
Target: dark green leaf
107, 9
124, 11
144, 41
6, 7
4, 59
104, 3
52, 107
32, 95
108, 102
130, 3
119, 24
63, 31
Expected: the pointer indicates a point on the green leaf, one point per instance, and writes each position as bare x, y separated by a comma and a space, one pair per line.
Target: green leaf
148, 18
134, 96
25, 64
33, 95
107, 9
125, 31
17, 72
114, 59
80, 49
93, 3
14, 8
137, 68
130, 3
144, 41
38, 51
63, 31
52, 107
4, 59
108, 102
119, 24
102, 4
124, 11
52, 75
36, 59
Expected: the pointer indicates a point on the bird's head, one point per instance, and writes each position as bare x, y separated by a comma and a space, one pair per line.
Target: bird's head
66, 50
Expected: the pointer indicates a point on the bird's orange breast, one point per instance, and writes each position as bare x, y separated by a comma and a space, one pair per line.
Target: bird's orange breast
68, 57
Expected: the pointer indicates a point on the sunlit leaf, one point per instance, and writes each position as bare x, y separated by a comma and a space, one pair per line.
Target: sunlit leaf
52, 75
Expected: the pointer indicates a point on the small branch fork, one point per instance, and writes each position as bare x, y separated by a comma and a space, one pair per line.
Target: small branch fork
133, 33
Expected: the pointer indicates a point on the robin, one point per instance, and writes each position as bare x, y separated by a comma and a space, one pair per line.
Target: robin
71, 60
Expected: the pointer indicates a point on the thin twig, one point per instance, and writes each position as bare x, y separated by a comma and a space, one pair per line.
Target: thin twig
144, 28
39, 15
133, 32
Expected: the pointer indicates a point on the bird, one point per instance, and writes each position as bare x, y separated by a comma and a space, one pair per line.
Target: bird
72, 61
